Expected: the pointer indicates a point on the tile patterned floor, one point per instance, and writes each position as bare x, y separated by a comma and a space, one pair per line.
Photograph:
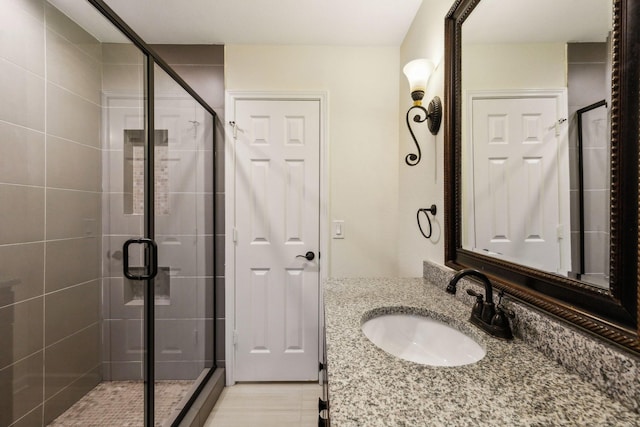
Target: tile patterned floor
120, 404
267, 405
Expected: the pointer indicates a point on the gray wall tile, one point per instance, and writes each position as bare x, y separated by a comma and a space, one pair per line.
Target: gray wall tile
72, 117
220, 325
34, 8
178, 370
186, 299
219, 259
70, 310
73, 214
67, 360
33, 418
123, 77
205, 181
25, 47
22, 219
22, 97
596, 204
587, 52
61, 24
121, 53
21, 272
220, 206
205, 80
126, 371
116, 221
112, 255
178, 340
180, 253
60, 402
70, 67
20, 388
586, 83
220, 297
191, 54
70, 262
219, 162
21, 334
21, 155
126, 342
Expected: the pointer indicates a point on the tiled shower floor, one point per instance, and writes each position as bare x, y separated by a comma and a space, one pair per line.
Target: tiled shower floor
121, 403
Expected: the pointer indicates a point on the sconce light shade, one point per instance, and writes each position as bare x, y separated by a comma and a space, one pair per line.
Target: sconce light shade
418, 72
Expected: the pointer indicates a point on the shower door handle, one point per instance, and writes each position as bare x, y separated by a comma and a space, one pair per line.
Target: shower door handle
151, 257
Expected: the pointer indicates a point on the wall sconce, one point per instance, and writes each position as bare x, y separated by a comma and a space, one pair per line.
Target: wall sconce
418, 72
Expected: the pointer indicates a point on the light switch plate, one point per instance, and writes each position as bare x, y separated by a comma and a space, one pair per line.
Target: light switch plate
337, 229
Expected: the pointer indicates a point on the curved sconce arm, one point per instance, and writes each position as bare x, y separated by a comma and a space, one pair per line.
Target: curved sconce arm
432, 210
413, 159
433, 116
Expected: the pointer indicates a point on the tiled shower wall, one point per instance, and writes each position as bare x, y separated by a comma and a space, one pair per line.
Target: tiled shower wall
49, 212
50, 209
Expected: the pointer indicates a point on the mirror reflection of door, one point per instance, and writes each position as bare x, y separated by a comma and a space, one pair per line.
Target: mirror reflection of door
518, 208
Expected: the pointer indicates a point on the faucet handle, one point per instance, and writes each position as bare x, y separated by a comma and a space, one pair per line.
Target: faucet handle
478, 306
507, 311
510, 313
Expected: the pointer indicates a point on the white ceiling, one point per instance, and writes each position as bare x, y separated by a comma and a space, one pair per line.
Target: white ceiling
309, 22
337, 22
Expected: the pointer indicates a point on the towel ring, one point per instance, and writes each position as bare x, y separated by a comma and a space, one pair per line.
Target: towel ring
432, 210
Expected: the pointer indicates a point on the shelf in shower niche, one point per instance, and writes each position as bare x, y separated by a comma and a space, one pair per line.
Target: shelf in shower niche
134, 289
140, 303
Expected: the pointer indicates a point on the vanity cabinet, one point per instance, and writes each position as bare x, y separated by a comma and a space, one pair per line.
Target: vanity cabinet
323, 401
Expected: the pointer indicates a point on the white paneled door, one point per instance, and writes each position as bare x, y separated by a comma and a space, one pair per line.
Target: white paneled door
516, 170
277, 146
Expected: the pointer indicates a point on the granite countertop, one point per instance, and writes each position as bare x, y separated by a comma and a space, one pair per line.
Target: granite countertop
513, 385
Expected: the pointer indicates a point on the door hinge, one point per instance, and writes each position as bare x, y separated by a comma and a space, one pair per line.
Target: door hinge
234, 126
235, 235
558, 123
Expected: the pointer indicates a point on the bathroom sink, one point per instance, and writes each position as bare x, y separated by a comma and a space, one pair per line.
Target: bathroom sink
422, 339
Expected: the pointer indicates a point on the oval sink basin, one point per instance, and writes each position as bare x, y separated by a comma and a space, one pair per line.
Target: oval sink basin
422, 340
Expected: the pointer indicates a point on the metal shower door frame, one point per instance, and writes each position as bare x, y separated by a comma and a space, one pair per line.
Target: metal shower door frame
152, 59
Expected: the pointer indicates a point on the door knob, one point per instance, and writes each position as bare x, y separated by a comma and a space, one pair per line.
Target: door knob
309, 256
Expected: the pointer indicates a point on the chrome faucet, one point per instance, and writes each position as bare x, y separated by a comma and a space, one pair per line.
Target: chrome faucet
484, 314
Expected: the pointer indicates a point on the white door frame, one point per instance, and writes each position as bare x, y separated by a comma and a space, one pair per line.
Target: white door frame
560, 95
230, 208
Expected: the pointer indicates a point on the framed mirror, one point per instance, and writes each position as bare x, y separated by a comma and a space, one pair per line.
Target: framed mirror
541, 155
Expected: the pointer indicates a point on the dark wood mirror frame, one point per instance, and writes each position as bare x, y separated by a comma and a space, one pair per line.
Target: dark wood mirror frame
610, 314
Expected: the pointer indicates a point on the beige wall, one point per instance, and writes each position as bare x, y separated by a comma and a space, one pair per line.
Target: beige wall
514, 66
361, 83
421, 185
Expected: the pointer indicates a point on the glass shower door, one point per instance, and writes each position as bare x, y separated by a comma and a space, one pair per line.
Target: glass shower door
125, 222
183, 206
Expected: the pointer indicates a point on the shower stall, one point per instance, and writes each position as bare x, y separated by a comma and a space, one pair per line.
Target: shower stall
106, 224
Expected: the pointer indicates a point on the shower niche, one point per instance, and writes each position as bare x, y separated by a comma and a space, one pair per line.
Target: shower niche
134, 170
134, 290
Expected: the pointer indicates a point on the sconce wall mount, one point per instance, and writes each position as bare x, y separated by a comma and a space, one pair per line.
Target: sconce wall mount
417, 72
